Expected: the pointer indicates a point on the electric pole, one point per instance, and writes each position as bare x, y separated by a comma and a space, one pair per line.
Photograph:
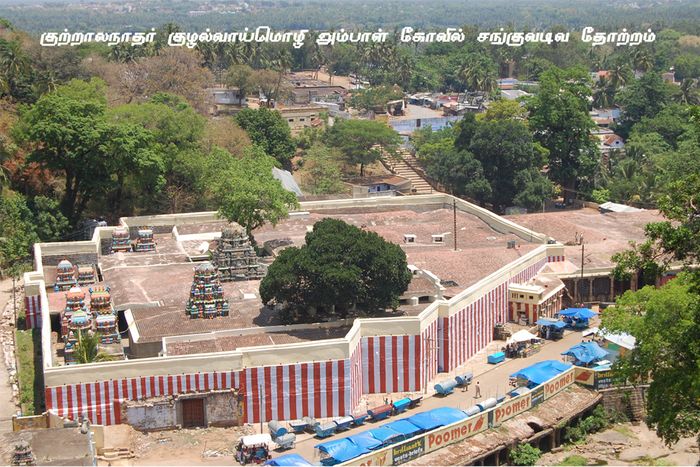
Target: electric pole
454, 219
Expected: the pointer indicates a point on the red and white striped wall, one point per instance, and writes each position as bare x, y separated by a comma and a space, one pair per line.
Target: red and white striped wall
556, 259
471, 329
390, 364
356, 375
430, 345
32, 307
285, 392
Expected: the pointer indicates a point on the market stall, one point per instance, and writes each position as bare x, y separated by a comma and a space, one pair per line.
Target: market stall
577, 318
522, 344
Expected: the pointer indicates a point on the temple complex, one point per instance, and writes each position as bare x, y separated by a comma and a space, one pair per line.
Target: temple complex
206, 295
120, 240
235, 257
65, 275
145, 241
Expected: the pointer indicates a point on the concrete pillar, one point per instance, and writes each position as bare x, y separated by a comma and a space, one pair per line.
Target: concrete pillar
612, 289
590, 289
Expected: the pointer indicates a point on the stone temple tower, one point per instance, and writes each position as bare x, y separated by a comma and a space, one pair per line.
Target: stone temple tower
235, 257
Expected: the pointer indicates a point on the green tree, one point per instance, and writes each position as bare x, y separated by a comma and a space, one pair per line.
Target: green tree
323, 166
504, 110
49, 223
666, 324
17, 231
339, 268
644, 97
268, 130
362, 141
524, 454
665, 321
561, 123
87, 349
65, 130
511, 162
246, 192
241, 77
375, 98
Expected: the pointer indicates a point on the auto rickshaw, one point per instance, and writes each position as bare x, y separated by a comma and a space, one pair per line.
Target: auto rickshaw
253, 449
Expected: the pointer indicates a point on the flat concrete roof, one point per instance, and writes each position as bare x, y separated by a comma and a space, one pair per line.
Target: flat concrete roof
603, 234
54, 446
480, 249
227, 343
156, 285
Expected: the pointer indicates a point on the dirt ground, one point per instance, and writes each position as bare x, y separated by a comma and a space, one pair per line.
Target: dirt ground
205, 446
627, 444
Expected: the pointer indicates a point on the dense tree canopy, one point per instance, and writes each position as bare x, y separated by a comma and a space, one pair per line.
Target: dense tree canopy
340, 268
362, 141
268, 130
246, 192
561, 123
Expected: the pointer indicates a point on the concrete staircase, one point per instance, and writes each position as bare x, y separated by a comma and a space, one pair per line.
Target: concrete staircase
402, 165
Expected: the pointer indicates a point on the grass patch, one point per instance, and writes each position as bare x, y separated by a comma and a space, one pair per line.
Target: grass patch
648, 460
624, 430
575, 460
30, 376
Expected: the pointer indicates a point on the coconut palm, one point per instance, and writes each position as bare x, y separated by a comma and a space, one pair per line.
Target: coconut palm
687, 92
13, 61
87, 350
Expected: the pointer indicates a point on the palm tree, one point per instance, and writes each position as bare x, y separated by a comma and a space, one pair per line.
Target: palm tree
688, 92
477, 74
87, 350
642, 59
603, 93
13, 61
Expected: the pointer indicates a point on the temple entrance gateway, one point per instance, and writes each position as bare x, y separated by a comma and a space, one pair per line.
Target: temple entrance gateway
192, 413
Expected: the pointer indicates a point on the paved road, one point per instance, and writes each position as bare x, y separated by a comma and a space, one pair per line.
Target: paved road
7, 406
492, 379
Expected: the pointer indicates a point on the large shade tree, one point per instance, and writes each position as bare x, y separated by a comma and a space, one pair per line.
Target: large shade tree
362, 141
340, 268
561, 123
246, 192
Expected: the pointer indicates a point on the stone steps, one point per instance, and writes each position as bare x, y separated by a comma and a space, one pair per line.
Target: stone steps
399, 166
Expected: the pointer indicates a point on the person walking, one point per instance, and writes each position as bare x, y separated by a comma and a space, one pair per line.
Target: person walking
478, 390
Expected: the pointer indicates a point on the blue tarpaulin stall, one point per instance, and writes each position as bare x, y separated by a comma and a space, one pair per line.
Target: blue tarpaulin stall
578, 313
340, 450
288, 460
385, 435
541, 371
586, 352
365, 440
406, 428
551, 322
436, 418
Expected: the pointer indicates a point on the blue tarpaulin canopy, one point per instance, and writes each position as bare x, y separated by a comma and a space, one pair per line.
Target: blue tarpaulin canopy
384, 434
551, 322
365, 440
586, 352
578, 313
288, 460
542, 371
341, 449
406, 428
437, 417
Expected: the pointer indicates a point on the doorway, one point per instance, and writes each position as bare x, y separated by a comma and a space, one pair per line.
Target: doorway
192, 413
